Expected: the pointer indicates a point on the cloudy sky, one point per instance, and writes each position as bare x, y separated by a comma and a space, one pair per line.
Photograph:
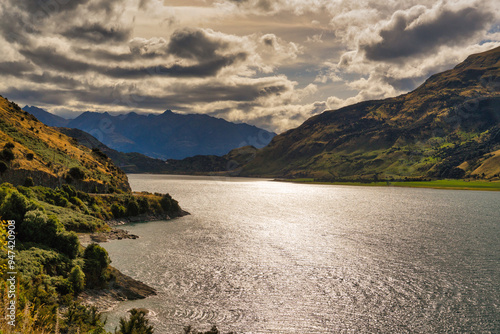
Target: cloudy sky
271, 63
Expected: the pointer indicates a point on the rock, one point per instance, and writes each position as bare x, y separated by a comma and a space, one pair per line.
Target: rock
120, 288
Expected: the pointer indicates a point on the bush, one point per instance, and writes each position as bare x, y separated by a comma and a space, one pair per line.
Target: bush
96, 266
136, 324
7, 154
29, 182
77, 279
118, 211
14, 207
168, 204
30, 156
76, 173
3, 167
132, 207
68, 244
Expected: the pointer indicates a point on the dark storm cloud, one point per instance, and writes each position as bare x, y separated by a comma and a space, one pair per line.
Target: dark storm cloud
15, 67
239, 93
194, 44
402, 40
41, 8
204, 69
60, 80
97, 33
47, 57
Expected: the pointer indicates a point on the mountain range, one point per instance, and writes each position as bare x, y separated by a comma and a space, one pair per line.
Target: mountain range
164, 136
449, 127
139, 163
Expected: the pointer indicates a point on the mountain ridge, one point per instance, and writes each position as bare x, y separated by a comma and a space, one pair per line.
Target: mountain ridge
168, 135
446, 127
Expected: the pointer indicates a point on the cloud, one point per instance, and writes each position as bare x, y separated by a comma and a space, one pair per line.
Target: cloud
269, 63
201, 70
97, 33
15, 67
195, 44
50, 57
407, 34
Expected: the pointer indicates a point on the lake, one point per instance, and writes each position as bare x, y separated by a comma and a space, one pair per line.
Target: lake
259, 256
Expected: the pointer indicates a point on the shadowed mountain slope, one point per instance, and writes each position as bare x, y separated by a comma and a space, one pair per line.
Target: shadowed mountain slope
449, 127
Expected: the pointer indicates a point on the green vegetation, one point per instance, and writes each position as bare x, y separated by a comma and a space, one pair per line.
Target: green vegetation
53, 267
448, 128
31, 149
436, 184
136, 324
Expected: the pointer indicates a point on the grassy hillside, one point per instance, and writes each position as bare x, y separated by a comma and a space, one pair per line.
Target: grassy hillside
449, 127
33, 150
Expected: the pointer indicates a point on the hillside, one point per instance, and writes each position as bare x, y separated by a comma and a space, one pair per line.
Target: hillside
449, 127
164, 136
139, 163
128, 162
33, 150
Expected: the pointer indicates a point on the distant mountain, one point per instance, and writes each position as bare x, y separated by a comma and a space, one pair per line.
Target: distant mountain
38, 154
449, 127
128, 162
166, 136
140, 163
46, 117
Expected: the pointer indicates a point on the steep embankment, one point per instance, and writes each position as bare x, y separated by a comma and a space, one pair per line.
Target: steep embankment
446, 128
33, 150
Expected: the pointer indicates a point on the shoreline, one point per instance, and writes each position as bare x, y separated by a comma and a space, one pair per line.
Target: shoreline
121, 287
437, 184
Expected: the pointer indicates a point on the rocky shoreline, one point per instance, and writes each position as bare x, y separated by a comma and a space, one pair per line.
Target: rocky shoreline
121, 287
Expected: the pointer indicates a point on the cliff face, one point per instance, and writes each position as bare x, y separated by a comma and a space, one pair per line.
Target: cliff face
447, 127
30, 149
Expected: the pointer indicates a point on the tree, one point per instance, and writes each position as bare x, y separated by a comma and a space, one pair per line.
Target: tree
77, 279
136, 324
76, 173
7, 154
67, 243
28, 182
96, 266
3, 167
132, 207
118, 210
14, 207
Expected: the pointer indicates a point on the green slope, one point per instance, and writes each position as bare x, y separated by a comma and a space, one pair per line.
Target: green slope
49, 157
446, 128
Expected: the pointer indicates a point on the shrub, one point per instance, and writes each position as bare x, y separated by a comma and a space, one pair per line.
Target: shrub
3, 167
77, 279
68, 244
30, 156
96, 266
29, 182
118, 211
14, 207
132, 207
7, 154
76, 173
136, 324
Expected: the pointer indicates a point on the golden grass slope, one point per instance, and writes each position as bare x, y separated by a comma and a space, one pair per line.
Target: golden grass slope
47, 154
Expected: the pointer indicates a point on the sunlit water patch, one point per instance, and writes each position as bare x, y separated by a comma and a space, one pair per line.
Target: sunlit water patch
257, 256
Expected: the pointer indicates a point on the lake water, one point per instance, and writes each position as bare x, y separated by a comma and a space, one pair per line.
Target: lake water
257, 256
